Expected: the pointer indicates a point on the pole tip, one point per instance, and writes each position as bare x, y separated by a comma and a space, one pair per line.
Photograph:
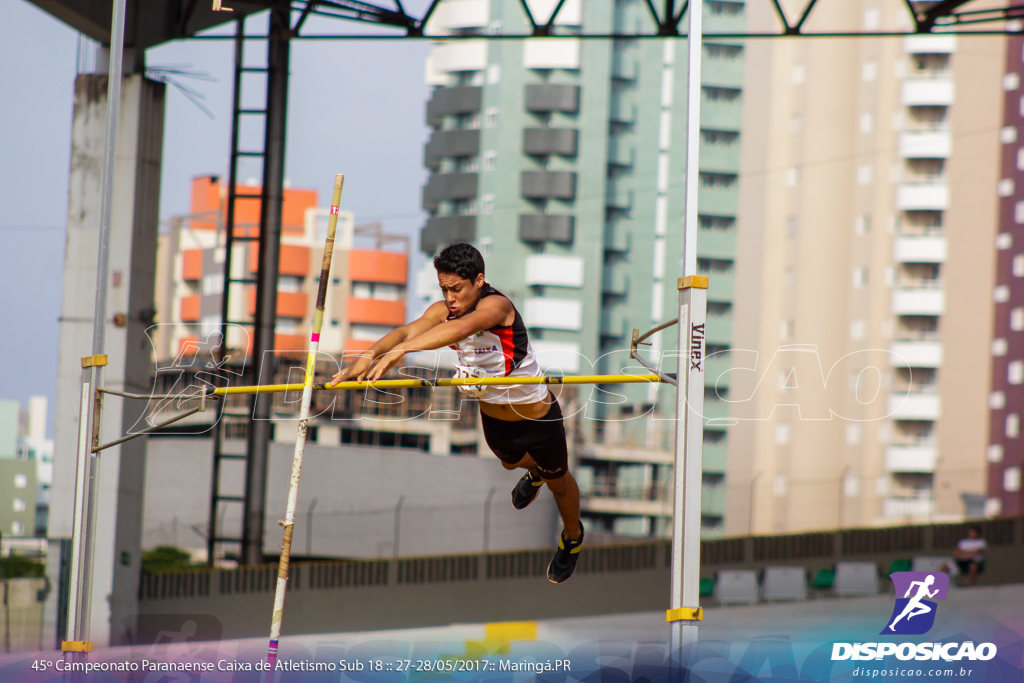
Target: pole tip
339, 179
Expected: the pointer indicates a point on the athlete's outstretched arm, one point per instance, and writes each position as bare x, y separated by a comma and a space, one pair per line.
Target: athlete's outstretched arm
490, 312
433, 316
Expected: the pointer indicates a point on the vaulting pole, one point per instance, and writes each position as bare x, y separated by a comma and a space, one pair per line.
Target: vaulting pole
300, 440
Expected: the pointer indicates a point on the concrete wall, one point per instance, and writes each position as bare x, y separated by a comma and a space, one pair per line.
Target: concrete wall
510, 586
357, 491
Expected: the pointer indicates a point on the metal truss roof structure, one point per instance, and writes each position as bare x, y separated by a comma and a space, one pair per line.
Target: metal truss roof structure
158, 21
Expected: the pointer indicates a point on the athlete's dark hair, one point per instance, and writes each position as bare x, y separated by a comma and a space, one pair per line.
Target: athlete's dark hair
460, 258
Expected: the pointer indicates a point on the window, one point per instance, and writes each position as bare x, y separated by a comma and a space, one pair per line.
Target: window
725, 9
862, 225
361, 332
19, 505
1018, 265
1017, 320
797, 74
487, 203
213, 284
287, 325
490, 161
717, 223
721, 95
719, 138
289, 283
714, 266
867, 122
382, 291
792, 225
860, 278
1015, 372
491, 117
864, 174
719, 309
718, 181
20, 481
723, 52
792, 176
17, 528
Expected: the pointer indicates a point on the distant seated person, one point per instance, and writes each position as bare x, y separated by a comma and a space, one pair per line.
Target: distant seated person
970, 555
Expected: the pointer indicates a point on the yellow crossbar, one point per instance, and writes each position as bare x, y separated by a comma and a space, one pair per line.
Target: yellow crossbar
411, 383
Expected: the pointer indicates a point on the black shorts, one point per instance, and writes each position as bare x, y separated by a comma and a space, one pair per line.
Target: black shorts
965, 566
543, 439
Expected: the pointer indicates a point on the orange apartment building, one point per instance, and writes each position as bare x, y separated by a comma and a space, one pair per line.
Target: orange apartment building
365, 299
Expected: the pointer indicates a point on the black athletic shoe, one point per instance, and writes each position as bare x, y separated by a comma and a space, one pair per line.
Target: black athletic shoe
564, 562
526, 490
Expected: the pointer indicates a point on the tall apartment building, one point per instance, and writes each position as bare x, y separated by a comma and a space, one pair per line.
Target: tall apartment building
18, 474
1006, 402
366, 297
563, 161
867, 219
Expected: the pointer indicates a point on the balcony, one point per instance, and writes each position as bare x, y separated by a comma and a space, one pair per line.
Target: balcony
620, 152
190, 306
451, 143
376, 312
546, 141
918, 301
451, 101
615, 281
448, 186
922, 197
546, 228
908, 507
918, 354
608, 495
712, 500
617, 238
615, 322
928, 89
549, 98
452, 16
920, 249
926, 144
442, 230
464, 55
919, 458
929, 45
553, 314
548, 184
915, 406
191, 264
557, 271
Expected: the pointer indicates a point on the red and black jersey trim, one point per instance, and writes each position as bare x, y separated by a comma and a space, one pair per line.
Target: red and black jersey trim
515, 342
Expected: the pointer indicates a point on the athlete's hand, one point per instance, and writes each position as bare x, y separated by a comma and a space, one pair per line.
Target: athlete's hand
385, 363
355, 371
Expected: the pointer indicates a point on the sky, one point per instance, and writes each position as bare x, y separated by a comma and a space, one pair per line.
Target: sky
356, 107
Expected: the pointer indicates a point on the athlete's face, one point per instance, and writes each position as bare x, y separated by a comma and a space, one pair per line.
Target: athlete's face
460, 294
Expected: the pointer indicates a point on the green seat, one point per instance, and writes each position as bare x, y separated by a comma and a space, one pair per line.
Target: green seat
900, 565
823, 579
707, 587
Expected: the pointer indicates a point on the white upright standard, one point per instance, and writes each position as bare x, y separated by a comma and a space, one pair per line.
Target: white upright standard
684, 613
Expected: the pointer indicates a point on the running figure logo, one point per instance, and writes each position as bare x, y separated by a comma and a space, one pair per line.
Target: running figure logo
914, 613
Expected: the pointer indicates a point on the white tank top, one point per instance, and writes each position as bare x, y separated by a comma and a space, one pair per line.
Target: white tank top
503, 351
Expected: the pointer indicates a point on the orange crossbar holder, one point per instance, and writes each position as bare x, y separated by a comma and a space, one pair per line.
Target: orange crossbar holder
75, 646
